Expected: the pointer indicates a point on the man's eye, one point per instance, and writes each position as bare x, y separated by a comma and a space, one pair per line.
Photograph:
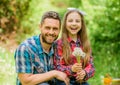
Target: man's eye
55, 28
47, 28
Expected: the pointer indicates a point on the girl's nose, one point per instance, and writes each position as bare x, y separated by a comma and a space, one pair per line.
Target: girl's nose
73, 23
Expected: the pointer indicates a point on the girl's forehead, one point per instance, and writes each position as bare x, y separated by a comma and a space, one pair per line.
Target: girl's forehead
74, 12
73, 15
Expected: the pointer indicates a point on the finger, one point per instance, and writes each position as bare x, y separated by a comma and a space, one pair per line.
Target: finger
78, 73
66, 81
77, 78
81, 77
79, 69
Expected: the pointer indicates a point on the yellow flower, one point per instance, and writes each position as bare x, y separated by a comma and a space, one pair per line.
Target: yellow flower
107, 80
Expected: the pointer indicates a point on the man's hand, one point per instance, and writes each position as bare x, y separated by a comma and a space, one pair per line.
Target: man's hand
33, 79
61, 76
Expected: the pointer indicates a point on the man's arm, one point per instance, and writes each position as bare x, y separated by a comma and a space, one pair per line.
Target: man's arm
33, 79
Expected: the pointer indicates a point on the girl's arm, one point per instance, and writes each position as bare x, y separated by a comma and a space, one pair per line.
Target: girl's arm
89, 69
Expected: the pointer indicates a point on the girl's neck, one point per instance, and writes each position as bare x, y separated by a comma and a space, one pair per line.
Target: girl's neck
74, 37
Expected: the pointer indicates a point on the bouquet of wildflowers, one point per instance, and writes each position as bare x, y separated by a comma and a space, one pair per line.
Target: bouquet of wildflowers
78, 53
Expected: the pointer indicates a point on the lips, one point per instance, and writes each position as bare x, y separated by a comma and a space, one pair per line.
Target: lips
50, 37
73, 28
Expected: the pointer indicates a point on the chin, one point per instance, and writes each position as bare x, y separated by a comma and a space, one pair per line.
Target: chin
50, 42
73, 33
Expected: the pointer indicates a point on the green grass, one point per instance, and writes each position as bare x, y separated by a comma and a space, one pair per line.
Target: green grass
7, 68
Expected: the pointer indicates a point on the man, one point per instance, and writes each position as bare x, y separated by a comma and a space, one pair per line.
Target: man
34, 57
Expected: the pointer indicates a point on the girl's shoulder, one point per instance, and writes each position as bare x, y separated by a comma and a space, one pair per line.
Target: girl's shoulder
59, 41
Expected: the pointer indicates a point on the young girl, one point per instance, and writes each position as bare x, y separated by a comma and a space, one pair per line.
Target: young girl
74, 35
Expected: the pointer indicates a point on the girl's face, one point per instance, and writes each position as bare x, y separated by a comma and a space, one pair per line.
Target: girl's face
73, 23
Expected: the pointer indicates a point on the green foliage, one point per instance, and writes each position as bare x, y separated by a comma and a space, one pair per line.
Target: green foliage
66, 3
7, 16
22, 7
108, 24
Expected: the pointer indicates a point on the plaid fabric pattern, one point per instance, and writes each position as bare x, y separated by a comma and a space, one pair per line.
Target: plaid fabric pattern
61, 65
30, 57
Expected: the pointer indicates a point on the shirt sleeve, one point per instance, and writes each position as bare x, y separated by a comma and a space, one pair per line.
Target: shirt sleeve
22, 60
62, 67
89, 69
59, 62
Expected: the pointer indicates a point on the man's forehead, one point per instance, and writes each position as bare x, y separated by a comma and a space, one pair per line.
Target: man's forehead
50, 20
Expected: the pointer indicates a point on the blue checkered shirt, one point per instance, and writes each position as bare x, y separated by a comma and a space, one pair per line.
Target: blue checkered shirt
30, 57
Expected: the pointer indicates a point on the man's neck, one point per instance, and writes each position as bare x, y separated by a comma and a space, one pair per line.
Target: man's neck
45, 46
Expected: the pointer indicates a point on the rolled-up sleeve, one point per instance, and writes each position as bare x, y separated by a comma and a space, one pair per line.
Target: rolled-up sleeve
89, 69
60, 63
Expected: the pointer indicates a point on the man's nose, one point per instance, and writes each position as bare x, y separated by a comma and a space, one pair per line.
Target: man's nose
51, 31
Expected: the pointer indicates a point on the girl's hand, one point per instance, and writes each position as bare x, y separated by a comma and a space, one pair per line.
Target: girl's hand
80, 75
76, 67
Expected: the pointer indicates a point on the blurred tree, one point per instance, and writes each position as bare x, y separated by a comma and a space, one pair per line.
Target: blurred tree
66, 3
8, 19
11, 14
113, 24
63, 5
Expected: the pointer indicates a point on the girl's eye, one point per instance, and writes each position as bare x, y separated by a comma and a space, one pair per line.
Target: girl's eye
78, 20
70, 20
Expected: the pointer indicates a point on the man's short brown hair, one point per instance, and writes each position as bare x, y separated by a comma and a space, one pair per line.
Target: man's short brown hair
51, 14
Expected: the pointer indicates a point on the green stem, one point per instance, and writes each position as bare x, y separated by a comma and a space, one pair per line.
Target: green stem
78, 59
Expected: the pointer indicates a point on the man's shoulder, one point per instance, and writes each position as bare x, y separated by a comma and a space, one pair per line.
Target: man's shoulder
29, 41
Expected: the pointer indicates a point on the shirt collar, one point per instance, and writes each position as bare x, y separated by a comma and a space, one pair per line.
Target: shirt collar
70, 40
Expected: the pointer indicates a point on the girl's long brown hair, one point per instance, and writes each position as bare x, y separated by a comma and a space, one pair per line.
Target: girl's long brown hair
83, 37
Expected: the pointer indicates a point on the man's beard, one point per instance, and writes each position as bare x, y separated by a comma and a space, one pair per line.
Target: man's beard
45, 41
